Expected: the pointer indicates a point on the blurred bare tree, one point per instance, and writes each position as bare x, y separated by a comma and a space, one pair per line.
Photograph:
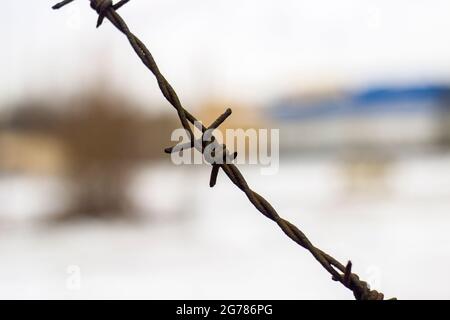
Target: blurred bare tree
100, 141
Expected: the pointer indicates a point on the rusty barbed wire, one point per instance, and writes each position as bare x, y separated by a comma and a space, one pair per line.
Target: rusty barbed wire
339, 272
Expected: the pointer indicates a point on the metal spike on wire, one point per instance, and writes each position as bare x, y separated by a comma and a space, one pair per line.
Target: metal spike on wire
339, 272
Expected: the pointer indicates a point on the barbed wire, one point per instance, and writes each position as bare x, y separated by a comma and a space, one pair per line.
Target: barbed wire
339, 272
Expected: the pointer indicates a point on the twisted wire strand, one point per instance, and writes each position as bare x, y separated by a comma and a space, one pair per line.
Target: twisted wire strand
339, 272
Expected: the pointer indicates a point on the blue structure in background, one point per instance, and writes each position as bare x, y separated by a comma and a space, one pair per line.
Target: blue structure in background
375, 101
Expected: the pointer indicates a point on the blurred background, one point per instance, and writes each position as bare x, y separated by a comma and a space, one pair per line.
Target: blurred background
90, 207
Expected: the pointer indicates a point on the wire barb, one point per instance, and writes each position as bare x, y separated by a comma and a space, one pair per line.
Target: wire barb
214, 174
61, 4
221, 119
101, 6
361, 290
347, 273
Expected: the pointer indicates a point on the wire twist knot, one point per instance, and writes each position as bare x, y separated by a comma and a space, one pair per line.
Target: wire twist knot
100, 6
363, 291
214, 153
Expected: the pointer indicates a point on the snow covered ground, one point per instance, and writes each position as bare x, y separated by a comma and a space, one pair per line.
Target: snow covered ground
206, 243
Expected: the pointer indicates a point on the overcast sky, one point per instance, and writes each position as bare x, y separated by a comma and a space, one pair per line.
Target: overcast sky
249, 50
